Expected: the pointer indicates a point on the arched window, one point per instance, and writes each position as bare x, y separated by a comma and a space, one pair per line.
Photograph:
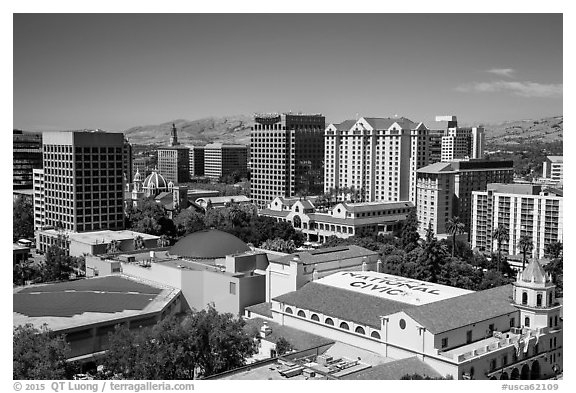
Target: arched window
329, 321
527, 321
360, 330
375, 335
297, 222
314, 317
550, 299
288, 310
301, 314
524, 298
539, 300
344, 325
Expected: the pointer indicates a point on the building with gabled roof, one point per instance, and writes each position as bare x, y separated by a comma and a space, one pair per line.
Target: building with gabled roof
508, 332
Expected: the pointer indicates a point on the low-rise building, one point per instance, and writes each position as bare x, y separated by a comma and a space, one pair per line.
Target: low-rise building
222, 201
553, 168
343, 220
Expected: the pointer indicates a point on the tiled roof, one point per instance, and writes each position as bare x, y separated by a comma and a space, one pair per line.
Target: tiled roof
379, 123
437, 168
299, 339
445, 315
346, 125
395, 370
534, 272
316, 217
372, 206
274, 213
336, 302
327, 255
261, 309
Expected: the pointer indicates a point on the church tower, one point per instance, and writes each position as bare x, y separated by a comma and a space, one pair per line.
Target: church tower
534, 297
174, 136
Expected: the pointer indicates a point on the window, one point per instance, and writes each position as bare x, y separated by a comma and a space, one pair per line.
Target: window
491, 328
360, 330
344, 325
512, 322
492, 364
314, 317
468, 336
524, 298
527, 321
444, 342
329, 321
288, 310
375, 335
301, 314
539, 300
233, 288
402, 324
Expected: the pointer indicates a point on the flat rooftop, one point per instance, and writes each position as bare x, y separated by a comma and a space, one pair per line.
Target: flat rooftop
82, 302
106, 236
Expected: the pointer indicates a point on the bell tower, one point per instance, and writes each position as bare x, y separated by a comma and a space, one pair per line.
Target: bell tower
534, 297
174, 136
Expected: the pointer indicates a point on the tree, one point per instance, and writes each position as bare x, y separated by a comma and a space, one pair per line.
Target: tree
163, 241
22, 219
150, 218
454, 227
525, 244
556, 270
139, 243
113, 247
409, 235
430, 261
58, 266
38, 354
553, 250
283, 346
201, 344
500, 234
279, 245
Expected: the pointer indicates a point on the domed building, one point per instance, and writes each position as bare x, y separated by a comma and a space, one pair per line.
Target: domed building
208, 244
154, 184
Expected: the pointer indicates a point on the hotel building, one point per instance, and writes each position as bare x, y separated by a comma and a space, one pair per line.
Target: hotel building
287, 154
553, 168
526, 210
445, 190
378, 157
196, 161
224, 159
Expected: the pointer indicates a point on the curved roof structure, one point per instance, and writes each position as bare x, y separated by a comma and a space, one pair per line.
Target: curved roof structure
155, 180
208, 244
534, 273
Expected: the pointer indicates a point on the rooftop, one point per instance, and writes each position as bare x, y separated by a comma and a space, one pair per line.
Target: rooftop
395, 370
76, 303
261, 309
327, 255
208, 244
380, 123
106, 236
555, 158
371, 206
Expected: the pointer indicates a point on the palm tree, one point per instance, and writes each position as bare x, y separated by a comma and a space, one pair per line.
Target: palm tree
454, 227
113, 247
525, 244
500, 234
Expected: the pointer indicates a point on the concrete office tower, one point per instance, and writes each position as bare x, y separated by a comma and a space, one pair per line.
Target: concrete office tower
378, 157
225, 159
142, 166
553, 168
127, 161
174, 160
196, 161
287, 154
525, 209
460, 143
444, 190
38, 199
26, 156
83, 180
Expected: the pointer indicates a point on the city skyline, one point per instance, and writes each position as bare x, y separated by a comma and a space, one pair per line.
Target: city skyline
120, 71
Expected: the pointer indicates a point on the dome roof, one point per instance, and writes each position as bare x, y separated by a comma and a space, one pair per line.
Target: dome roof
208, 244
534, 273
155, 180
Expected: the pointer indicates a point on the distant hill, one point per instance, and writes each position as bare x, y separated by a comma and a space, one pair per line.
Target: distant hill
236, 129
233, 129
549, 129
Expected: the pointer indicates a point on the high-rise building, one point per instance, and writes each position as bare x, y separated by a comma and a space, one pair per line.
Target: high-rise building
142, 166
444, 190
82, 180
196, 161
287, 156
377, 157
225, 159
127, 161
460, 143
26, 156
174, 160
553, 168
38, 198
525, 209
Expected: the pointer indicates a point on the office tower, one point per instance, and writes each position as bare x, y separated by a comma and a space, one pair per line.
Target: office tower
377, 157
525, 209
460, 143
225, 159
26, 156
142, 166
127, 161
196, 161
83, 180
287, 154
174, 160
553, 168
38, 199
444, 190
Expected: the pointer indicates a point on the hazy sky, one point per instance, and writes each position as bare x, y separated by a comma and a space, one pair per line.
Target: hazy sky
118, 71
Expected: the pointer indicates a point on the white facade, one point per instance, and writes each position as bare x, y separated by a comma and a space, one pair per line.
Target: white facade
553, 168
38, 184
525, 210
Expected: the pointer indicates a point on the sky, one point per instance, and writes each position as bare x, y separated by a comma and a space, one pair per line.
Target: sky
116, 71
